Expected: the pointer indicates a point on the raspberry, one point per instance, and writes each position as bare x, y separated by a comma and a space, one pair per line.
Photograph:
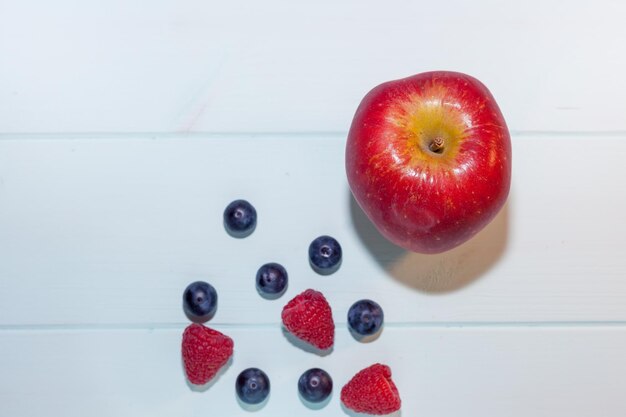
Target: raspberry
308, 317
371, 391
204, 352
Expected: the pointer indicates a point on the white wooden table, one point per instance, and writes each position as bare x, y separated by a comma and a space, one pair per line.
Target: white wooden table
127, 128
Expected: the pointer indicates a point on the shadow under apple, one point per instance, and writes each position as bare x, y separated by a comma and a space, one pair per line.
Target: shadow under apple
440, 273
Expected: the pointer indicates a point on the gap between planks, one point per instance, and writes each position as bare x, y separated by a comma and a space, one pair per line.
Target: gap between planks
261, 326
264, 135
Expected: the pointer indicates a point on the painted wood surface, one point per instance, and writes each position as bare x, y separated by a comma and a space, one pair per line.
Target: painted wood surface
473, 372
126, 128
284, 66
99, 237
109, 232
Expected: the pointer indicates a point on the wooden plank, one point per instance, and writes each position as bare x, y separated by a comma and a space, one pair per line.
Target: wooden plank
474, 372
109, 231
276, 66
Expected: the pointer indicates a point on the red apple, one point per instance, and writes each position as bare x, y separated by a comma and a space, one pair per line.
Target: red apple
428, 158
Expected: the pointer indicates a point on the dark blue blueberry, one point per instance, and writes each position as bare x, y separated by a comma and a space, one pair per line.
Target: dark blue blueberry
252, 386
199, 301
325, 255
271, 280
240, 218
315, 385
365, 317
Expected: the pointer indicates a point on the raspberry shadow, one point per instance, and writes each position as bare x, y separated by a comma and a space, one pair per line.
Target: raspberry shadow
208, 385
301, 344
355, 414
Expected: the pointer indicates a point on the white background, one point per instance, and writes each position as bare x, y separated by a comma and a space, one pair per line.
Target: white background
126, 128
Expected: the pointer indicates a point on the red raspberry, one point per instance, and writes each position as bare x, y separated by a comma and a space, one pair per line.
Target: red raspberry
371, 391
308, 317
205, 351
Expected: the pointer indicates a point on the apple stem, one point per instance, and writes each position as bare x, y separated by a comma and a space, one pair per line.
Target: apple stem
436, 145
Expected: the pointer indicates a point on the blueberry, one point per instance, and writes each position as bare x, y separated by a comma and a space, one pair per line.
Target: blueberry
252, 386
240, 218
365, 317
199, 301
271, 280
315, 385
325, 255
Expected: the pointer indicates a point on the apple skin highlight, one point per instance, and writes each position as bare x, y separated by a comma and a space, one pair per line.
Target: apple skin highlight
428, 159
